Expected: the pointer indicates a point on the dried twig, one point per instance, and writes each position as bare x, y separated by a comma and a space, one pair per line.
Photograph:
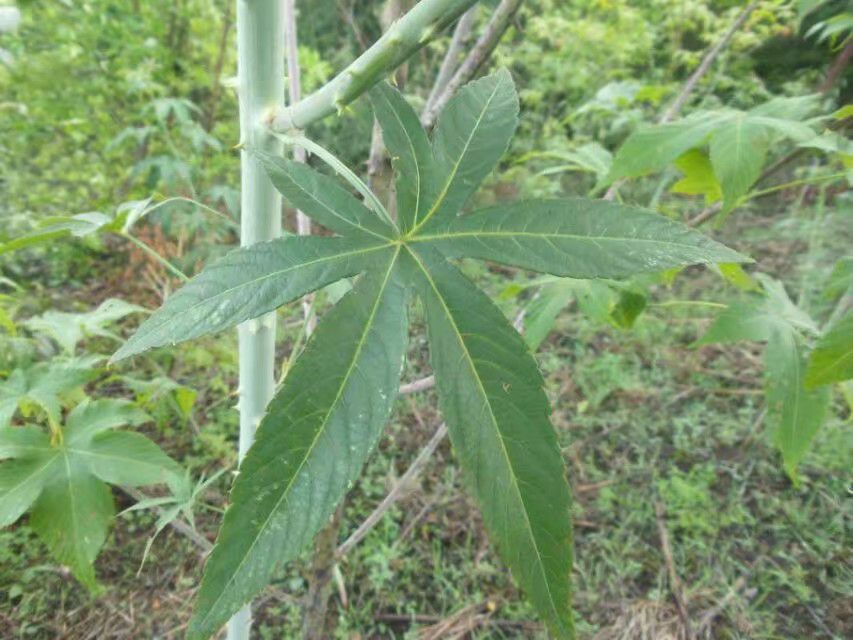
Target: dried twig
675, 584
495, 28
448, 65
711, 614
706, 63
396, 493
421, 384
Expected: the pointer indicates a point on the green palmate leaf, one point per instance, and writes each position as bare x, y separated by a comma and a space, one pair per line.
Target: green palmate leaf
738, 152
832, 358
739, 141
62, 480
577, 238
68, 329
322, 424
128, 459
411, 154
72, 517
42, 384
653, 147
698, 177
322, 198
311, 445
491, 395
21, 482
795, 412
249, 282
542, 312
757, 318
472, 134
79, 225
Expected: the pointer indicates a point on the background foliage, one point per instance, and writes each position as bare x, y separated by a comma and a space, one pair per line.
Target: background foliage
109, 102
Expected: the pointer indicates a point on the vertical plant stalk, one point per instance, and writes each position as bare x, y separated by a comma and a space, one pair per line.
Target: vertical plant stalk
260, 73
319, 579
294, 91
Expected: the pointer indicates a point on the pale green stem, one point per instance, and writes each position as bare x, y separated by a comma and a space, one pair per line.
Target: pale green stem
793, 183
689, 303
341, 169
260, 73
414, 30
149, 251
196, 203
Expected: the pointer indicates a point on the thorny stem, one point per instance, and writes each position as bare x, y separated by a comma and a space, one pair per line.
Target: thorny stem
414, 30
260, 72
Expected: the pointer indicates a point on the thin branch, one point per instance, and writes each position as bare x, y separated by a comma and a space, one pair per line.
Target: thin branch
704, 66
409, 34
495, 28
675, 583
395, 494
709, 616
294, 91
837, 68
319, 579
449, 64
421, 384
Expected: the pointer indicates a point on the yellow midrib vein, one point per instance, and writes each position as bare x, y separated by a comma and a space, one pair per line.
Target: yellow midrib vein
529, 525
320, 431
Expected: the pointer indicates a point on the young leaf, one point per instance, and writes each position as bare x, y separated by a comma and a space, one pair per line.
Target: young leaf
73, 507
698, 177
42, 384
68, 329
738, 152
311, 445
411, 154
322, 198
757, 318
72, 517
541, 313
21, 482
577, 238
472, 134
491, 395
795, 411
832, 358
249, 282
